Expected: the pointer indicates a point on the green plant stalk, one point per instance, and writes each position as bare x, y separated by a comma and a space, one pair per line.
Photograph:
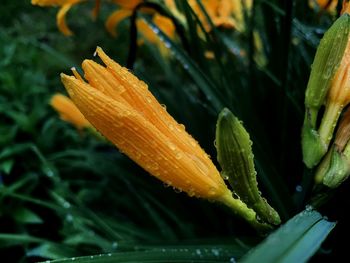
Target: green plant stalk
242, 210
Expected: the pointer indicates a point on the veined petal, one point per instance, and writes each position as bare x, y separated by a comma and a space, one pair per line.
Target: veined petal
137, 94
114, 19
340, 90
142, 141
61, 17
68, 111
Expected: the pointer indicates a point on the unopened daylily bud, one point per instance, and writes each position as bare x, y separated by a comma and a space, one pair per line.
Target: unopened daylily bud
328, 85
236, 158
121, 107
335, 167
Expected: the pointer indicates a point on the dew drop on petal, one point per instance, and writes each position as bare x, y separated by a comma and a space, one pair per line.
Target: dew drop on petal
178, 156
171, 146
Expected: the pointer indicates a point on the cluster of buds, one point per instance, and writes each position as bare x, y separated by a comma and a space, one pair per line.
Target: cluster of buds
329, 86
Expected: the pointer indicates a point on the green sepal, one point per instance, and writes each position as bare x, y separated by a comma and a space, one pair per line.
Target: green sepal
334, 169
327, 59
235, 155
312, 146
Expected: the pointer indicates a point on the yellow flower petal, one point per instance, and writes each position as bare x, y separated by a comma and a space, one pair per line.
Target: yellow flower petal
68, 111
49, 2
127, 4
146, 31
165, 24
114, 19
339, 92
61, 17
96, 9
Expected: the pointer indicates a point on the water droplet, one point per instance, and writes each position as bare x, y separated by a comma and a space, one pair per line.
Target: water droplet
309, 208
200, 165
109, 254
49, 173
212, 191
178, 156
171, 127
191, 192
69, 217
66, 205
115, 245
148, 98
224, 176
299, 188
167, 44
177, 190
232, 260
215, 252
198, 252
138, 155
167, 183
171, 146
154, 166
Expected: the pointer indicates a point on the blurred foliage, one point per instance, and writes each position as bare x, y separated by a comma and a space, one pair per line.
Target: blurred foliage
67, 194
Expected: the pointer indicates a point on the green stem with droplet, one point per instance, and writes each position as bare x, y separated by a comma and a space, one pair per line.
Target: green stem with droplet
241, 209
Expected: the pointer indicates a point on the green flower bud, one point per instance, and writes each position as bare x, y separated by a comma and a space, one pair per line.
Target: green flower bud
327, 86
234, 149
327, 60
335, 167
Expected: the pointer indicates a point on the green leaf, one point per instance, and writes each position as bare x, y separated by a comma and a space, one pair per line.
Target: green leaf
6, 166
191, 254
51, 250
26, 216
17, 239
296, 241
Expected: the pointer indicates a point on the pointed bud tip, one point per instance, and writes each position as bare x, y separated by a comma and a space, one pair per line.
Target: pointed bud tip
225, 112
